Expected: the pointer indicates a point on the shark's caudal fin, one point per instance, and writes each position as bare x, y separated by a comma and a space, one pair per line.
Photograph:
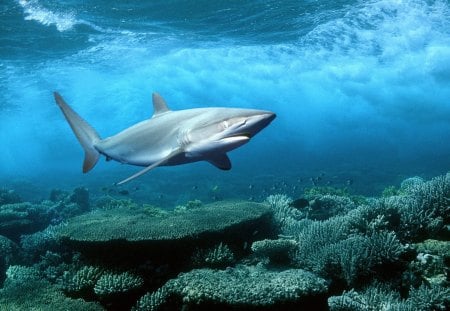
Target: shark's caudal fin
85, 133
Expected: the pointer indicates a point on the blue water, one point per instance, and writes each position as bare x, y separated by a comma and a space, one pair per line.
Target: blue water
361, 89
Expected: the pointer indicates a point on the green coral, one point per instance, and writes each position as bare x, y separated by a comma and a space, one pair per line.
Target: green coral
109, 202
84, 279
9, 254
243, 286
434, 247
129, 225
22, 218
318, 191
25, 290
111, 283
219, 256
153, 301
9, 197
326, 206
378, 297
276, 251
285, 216
22, 273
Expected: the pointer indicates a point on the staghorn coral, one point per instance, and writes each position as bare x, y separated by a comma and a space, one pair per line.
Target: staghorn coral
22, 273
383, 247
110, 283
432, 261
430, 297
328, 248
83, 280
372, 217
373, 298
219, 256
410, 183
153, 301
424, 208
286, 218
379, 297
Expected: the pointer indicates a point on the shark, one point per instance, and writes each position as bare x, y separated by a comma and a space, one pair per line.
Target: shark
170, 137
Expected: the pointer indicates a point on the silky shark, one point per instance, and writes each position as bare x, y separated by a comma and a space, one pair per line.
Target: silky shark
170, 137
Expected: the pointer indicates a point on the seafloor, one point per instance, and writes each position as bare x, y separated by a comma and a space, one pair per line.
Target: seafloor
326, 250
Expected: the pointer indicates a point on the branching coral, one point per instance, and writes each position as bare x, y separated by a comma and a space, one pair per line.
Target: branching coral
110, 283
82, 280
378, 297
219, 256
153, 301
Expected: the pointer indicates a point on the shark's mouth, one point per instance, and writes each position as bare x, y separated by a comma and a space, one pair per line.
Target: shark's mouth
248, 135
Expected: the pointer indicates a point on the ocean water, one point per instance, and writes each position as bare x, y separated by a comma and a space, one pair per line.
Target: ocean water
361, 90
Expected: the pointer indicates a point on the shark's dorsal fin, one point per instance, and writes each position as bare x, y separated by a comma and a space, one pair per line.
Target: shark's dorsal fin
159, 105
221, 161
150, 167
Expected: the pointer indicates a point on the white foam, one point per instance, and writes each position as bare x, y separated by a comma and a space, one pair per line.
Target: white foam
35, 12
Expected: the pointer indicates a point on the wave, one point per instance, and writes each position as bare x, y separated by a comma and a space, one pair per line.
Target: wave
63, 21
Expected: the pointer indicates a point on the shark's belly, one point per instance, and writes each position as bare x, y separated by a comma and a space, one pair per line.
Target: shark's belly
135, 153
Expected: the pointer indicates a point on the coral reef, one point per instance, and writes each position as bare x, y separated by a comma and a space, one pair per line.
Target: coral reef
24, 289
378, 297
111, 283
277, 252
338, 252
153, 301
9, 255
219, 256
82, 281
120, 224
9, 197
243, 286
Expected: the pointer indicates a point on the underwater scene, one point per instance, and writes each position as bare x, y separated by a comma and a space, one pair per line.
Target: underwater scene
225, 155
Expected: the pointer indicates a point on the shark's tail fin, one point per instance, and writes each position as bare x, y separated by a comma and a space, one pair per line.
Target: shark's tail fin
85, 133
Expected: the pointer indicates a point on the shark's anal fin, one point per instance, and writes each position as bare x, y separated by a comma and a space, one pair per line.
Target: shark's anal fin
221, 161
150, 167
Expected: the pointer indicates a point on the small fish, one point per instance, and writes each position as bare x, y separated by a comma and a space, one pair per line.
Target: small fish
124, 192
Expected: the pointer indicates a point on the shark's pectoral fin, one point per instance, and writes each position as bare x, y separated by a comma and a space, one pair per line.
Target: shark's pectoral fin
148, 168
221, 161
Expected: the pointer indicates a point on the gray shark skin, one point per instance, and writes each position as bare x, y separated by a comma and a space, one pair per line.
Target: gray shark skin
170, 137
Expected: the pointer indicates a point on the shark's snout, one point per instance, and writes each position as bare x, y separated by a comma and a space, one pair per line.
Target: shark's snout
257, 122
269, 116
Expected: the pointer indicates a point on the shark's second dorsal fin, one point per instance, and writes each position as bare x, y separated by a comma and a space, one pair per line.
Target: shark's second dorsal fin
159, 105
